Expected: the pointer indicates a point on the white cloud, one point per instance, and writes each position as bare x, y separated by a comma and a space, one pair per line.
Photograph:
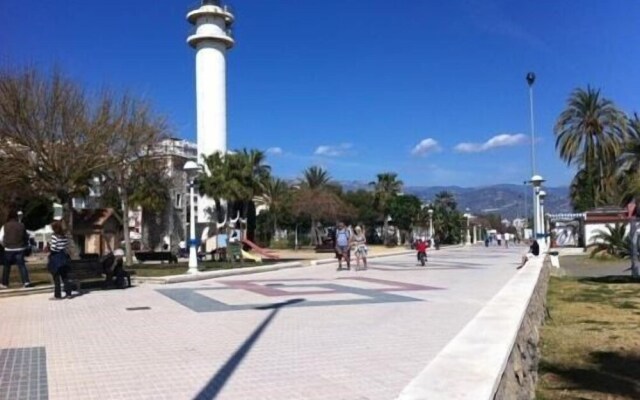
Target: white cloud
426, 146
276, 151
504, 140
333, 151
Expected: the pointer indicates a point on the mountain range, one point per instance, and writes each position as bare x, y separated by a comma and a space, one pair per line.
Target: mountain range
508, 200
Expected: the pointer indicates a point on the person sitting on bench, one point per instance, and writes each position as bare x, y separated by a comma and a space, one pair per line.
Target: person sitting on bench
114, 268
534, 251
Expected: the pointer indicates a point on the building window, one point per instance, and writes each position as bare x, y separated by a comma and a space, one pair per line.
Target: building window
178, 200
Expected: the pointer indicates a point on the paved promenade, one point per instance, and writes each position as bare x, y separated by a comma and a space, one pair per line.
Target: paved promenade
304, 333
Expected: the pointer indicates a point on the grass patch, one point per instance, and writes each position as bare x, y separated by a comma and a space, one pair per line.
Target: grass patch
591, 345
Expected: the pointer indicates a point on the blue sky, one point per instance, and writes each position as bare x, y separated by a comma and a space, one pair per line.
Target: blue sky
357, 86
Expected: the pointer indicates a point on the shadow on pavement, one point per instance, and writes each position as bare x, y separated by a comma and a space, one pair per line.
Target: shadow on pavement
217, 382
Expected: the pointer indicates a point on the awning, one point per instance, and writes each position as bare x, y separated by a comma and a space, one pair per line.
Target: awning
566, 217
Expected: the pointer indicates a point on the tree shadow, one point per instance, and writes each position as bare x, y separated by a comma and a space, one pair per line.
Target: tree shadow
217, 382
612, 373
611, 279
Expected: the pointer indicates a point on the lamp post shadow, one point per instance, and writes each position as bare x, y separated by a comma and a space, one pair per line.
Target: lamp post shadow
217, 382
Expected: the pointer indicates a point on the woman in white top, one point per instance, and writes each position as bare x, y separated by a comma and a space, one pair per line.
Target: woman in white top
359, 243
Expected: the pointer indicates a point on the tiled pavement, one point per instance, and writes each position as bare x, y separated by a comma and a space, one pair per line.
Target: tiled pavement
307, 333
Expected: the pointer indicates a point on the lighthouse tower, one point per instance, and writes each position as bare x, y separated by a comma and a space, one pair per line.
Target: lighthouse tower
211, 38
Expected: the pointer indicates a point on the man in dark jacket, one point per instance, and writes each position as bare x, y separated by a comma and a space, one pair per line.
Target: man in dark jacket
15, 241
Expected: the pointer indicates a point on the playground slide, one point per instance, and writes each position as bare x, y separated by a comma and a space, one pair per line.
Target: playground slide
263, 252
249, 256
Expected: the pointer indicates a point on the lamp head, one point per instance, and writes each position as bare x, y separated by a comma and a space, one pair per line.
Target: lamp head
531, 78
191, 168
536, 180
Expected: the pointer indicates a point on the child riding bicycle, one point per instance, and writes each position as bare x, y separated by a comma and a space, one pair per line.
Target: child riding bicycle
421, 249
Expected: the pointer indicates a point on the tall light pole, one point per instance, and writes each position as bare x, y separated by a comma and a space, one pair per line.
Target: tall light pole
543, 230
430, 211
536, 182
526, 210
468, 234
531, 78
192, 169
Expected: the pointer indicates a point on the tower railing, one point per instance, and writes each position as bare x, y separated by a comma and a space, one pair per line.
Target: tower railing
197, 4
228, 32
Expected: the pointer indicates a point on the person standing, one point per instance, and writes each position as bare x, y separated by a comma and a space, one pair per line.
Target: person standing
15, 240
342, 245
359, 241
58, 264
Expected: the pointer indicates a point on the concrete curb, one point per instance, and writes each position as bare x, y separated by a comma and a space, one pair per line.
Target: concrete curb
217, 274
471, 365
6, 293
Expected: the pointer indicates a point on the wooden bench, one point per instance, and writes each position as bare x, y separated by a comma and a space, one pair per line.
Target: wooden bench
161, 256
93, 270
84, 270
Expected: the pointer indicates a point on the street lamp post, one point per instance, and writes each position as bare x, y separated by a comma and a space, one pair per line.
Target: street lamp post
543, 229
430, 211
468, 235
536, 182
192, 169
531, 78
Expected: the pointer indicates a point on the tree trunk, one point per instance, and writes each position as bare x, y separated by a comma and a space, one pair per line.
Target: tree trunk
230, 256
73, 249
385, 232
314, 233
275, 227
125, 228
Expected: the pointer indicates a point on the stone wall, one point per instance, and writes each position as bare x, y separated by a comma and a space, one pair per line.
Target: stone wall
520, 376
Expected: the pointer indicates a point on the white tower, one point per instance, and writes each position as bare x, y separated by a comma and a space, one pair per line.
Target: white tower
210, 38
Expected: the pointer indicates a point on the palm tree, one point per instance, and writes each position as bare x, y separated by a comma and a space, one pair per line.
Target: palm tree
254, 174
446, 200
318, 198
215, 182
315, 177
237, 177
589, 135
614, 241
274, 196
629, 160
385, 189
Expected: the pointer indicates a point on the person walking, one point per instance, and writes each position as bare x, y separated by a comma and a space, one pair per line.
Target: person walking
342, 245
15, 240
359, 242
58, 264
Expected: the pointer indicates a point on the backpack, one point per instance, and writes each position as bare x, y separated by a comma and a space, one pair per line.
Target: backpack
344, 233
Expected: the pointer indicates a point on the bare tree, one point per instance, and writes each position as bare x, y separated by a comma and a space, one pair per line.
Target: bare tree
52, 137
135, 129
57, 139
